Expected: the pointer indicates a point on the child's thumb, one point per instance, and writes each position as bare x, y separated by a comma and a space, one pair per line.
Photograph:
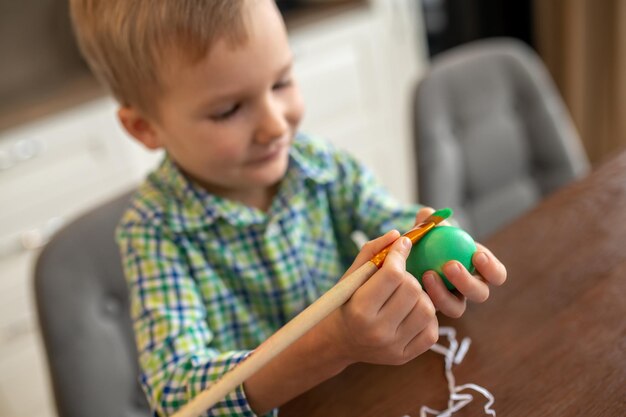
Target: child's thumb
423, 214
399, 252
371, 248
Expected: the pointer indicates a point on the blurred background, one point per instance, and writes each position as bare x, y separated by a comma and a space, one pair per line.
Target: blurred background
359, 63
583, 44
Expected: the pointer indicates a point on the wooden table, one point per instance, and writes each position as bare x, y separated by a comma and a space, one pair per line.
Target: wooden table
550, 342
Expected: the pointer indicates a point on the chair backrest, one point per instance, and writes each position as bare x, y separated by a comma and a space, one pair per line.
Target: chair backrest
82, 305
492, 134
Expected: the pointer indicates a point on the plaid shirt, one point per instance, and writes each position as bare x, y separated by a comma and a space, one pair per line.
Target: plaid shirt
210, 278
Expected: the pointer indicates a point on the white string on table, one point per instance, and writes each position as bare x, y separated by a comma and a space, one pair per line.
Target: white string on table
453, 355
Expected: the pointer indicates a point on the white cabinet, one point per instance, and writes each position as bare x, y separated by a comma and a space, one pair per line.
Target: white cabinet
356, 70
24, 387
50, 172
357, 73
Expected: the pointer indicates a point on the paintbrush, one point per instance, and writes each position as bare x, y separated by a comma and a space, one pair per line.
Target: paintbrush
302, 323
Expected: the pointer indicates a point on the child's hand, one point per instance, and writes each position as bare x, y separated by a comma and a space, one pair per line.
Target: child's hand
473, 287
389, 319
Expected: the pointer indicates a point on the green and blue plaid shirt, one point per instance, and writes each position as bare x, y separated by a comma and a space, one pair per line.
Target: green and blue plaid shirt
210, 278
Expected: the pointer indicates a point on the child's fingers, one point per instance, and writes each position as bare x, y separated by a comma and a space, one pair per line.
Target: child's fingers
371, 248
402, 301
423, 341
449, 303
423, 214
376, 291
422, 312
491, 269
470, 286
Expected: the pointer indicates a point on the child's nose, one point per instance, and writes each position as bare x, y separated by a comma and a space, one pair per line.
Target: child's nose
272, 122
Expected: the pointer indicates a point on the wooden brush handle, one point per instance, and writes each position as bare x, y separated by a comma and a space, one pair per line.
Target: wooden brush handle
279, 341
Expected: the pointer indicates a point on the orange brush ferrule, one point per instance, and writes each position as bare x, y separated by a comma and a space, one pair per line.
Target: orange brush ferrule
415, 234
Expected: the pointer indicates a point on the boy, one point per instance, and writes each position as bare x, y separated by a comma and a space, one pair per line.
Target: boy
247, 222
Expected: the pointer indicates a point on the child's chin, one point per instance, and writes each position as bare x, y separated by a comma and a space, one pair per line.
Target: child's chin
275, 171
270, 172
274, 175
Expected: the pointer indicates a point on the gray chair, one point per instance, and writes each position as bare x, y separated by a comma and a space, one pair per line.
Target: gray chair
82, 305
492, 135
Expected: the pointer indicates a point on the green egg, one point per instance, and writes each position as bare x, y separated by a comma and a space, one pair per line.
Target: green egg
440, 245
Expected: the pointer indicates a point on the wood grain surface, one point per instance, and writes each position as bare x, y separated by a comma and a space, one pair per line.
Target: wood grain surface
550, 342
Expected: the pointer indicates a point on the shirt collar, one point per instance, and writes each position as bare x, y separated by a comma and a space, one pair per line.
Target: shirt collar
313, 159
193, 207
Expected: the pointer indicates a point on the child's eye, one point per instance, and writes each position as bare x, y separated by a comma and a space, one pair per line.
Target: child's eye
282, 84
223, 115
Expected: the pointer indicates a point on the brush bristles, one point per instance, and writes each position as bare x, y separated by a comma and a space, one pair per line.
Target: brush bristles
443, 213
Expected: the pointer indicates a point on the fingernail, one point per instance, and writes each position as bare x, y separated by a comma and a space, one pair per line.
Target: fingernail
452, 268
428, 277
405, 242
481, 259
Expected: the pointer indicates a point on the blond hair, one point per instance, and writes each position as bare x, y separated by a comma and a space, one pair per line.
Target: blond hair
125, 41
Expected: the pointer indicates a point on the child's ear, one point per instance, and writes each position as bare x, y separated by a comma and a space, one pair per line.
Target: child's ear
139, 127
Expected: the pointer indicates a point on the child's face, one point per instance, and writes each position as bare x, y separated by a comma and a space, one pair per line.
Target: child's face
229, 121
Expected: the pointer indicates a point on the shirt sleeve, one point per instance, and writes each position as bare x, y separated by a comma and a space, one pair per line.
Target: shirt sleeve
364, 203
176, 354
